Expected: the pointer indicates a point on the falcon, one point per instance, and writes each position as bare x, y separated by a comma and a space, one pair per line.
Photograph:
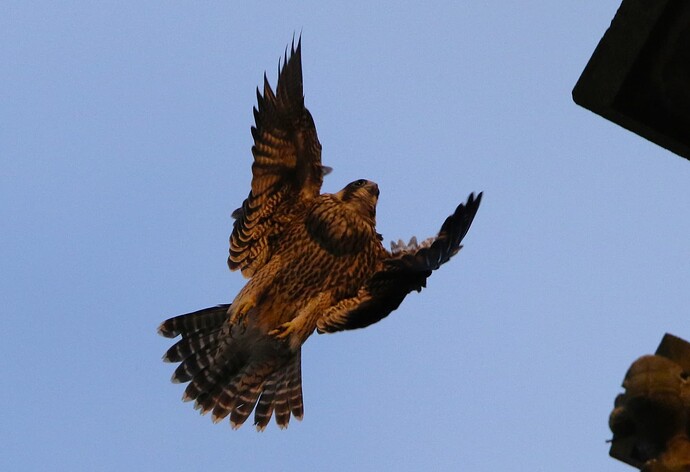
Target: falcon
314, 262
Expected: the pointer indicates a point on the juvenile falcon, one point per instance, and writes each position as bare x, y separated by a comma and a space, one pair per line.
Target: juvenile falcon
314, 262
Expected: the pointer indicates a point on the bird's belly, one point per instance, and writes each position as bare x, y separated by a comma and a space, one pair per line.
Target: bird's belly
291, 282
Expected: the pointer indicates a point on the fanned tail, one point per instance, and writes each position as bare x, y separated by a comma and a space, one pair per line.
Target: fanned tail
282, 394
230, 373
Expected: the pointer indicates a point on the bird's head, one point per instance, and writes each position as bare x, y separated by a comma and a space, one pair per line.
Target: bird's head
362, 196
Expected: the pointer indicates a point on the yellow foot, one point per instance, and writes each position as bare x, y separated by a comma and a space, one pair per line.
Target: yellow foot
240, 310
283, 331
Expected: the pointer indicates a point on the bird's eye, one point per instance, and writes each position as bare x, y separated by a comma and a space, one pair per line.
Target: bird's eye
359, 183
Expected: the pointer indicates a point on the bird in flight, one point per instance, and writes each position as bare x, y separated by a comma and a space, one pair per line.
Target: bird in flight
313, 260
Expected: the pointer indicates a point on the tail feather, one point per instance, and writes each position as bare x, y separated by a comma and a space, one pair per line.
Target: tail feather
289, 394
210, 385
282, 394
240, 389
192, 366
206, 401
244, 407
191, 345
281, 405
294, 394
212, 356
201, 321
223, 368
264, 409
233, 375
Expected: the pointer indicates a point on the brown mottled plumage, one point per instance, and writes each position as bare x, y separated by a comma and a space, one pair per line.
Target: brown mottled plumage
314, 261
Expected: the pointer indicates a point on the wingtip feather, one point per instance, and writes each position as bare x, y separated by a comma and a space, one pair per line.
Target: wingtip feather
166, 331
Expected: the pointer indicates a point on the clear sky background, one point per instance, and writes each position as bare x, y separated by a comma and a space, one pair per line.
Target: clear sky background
125, 146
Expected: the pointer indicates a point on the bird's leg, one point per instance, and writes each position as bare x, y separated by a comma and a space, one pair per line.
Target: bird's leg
293, 332
240, 309
304, 323
285, 329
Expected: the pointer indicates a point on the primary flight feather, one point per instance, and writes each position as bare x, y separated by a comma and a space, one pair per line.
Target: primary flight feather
314, 262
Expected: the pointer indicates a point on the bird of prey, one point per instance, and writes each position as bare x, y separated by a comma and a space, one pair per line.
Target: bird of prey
314, 262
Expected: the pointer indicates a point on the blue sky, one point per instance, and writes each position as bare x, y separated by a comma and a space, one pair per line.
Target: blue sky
125, 146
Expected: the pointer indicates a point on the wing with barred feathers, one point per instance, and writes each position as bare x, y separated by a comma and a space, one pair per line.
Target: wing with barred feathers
406, 269
286, 173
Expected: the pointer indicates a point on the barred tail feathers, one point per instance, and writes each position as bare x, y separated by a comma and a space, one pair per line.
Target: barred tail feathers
231, 376
282, 394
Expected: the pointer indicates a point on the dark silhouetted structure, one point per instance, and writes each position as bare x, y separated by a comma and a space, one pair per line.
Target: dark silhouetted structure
639, 74
650, 421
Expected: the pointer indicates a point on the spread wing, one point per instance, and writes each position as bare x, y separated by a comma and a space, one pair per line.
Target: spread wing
286, 172
406, 269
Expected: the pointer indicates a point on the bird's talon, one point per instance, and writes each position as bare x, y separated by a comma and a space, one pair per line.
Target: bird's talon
282, 331
239, 313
